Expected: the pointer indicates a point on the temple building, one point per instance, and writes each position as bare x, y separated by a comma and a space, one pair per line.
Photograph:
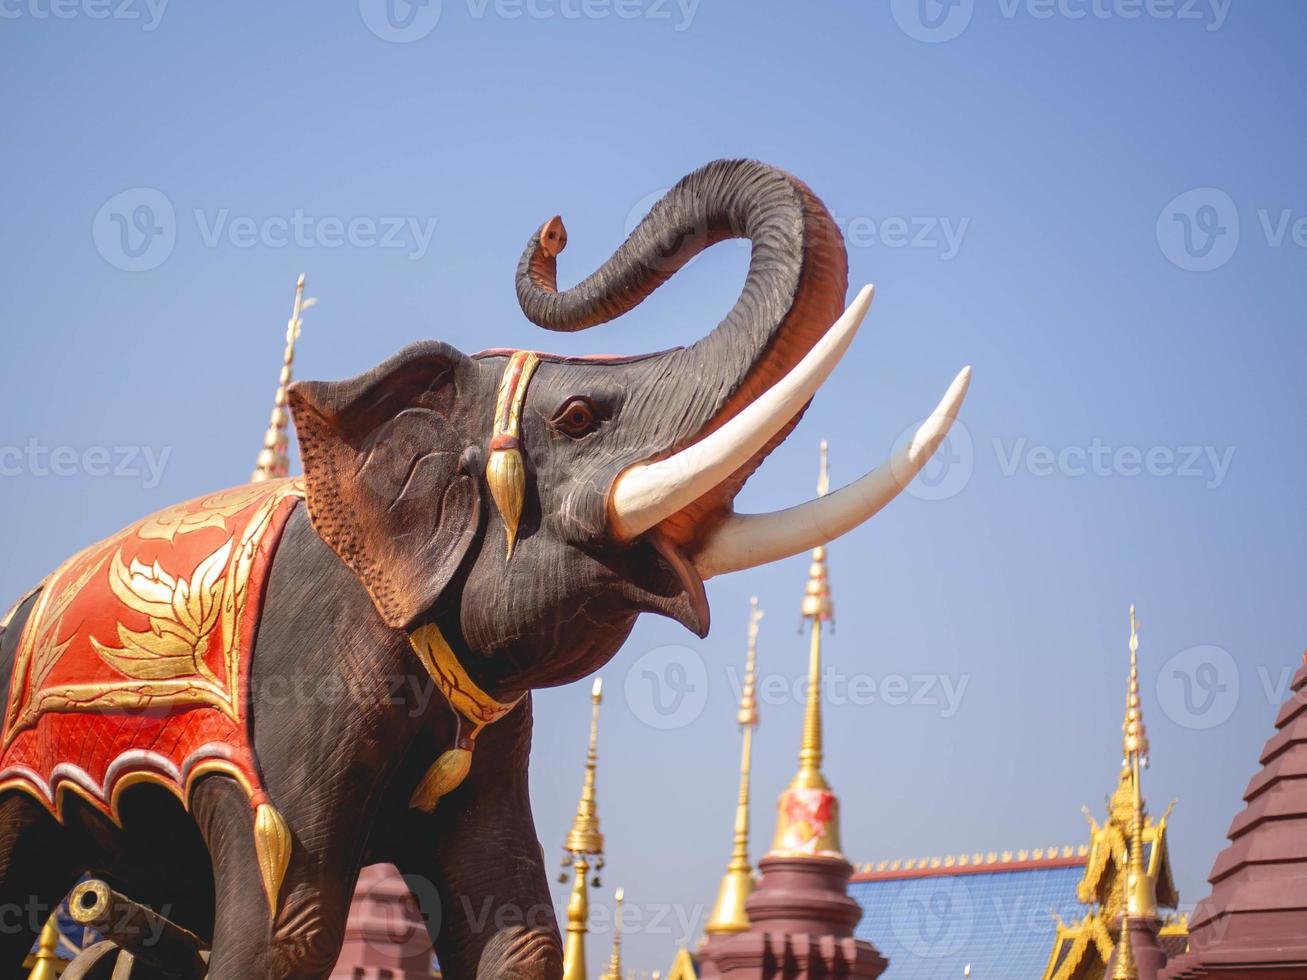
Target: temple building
1059, 913
1128, 876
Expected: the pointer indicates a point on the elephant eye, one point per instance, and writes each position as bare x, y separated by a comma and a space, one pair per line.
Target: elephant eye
577, 418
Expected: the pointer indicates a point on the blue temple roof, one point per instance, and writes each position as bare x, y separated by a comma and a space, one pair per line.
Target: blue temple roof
999, 917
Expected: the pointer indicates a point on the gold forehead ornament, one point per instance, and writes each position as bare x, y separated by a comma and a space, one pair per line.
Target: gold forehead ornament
506, 469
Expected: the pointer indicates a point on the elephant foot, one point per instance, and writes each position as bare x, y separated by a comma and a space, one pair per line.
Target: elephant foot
521, 953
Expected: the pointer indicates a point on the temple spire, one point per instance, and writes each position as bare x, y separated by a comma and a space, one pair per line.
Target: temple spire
808, 820
614, 971
1134, 743
1124, 966
583, 841
1140, 890
728, 915
1141, 898
273, 461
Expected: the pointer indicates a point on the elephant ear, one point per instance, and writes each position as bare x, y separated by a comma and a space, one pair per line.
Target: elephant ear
389, 489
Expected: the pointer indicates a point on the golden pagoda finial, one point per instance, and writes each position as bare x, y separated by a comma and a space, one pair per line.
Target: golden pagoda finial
47, 951
1141, 897
808, 821
273, 461
578, 915
614, 971
1124, 966
728, 915
1135, 734
583, 840
584, 836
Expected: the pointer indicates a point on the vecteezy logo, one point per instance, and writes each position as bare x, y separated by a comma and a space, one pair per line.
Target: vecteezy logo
1198, 688
932, 21
949, 469
1199, 230
667, 687
933, 917
400, 21
136, 229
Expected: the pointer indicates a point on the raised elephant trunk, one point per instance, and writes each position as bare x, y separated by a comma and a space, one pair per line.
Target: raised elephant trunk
755, 372
793, 292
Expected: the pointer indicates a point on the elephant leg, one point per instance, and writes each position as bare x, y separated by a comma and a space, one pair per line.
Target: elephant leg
304, 940
37, 868
478, 854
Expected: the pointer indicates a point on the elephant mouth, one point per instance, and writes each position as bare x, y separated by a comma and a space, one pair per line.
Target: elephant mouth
690, 608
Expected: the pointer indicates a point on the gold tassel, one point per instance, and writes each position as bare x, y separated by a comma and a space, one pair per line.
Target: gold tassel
506, 474
444, 776
272, 845
448, 771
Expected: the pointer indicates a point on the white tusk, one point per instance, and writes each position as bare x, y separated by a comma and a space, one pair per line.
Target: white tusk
747, 540
647, 493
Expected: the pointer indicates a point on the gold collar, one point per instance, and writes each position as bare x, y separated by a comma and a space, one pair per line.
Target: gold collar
472, 706
462, 693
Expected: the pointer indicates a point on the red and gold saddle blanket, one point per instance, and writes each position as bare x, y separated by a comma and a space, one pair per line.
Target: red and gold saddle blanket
134, 665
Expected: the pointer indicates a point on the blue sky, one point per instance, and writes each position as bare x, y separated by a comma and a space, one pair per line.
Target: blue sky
1094, 202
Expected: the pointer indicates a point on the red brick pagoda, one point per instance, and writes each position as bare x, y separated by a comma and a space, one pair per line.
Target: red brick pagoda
385, 937
1254, 923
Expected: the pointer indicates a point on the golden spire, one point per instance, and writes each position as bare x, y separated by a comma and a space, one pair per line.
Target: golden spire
47, 951
1141, 897
614, 971
578, 914
1124, 967
808, 821
583, 840
584, 837
273, 462
1135, 734
728, 915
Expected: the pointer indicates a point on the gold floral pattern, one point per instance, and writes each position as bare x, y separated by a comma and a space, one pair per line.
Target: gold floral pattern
182, 614
213, 511
46, 647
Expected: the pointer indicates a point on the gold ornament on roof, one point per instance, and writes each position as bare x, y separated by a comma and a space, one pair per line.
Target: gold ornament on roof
1124, 967
728, 915
1141, 897
807, 823
583, 841
1128, 874
585, 837
273, 462
614, 971
1135, 734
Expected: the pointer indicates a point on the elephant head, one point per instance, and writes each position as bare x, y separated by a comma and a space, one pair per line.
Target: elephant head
532, 505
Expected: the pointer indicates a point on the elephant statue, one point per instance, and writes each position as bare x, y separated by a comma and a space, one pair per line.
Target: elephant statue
227, 709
